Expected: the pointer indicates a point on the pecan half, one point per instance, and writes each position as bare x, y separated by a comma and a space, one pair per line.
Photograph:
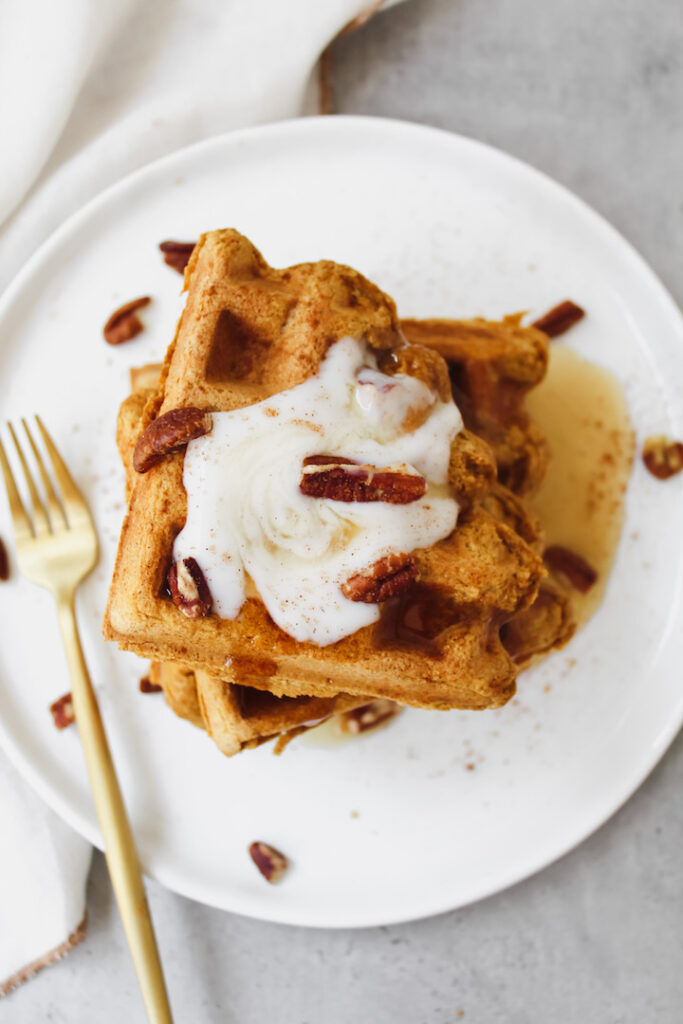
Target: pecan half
63, 711
379, 712
189, 589
271, 863
169, 433
575, 569
559, 319
387, 578
4, 562
147, 686
177, 254
662, 457
343, 480
124, 323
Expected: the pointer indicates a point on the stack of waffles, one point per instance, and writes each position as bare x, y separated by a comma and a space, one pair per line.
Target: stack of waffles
478, 606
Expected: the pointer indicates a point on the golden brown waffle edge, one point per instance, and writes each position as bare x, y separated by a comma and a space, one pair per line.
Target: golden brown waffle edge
210, 365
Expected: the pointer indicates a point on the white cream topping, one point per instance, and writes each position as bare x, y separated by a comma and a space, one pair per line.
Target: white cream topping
247, 515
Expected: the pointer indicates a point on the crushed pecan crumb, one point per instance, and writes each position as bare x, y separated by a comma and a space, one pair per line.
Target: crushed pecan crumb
663, 457
559, 319
271, 863
177, 254
147, 686
63, 711
124, 323
4, 562
572, 567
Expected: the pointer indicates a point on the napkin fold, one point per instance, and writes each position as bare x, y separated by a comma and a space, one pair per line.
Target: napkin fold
43, 871
91, 90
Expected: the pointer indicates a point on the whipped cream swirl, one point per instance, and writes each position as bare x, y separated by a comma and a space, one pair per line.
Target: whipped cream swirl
247, 518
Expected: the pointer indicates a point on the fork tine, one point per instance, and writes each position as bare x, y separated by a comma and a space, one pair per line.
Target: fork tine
20, 521
41, 524
57, 516
74, 503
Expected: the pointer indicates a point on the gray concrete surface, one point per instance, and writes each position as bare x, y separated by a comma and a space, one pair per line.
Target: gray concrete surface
590, 91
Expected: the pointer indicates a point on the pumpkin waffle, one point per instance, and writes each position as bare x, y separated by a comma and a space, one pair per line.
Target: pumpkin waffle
238, 717
247, 333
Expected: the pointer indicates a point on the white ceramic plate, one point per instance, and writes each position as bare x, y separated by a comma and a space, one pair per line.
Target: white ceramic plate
448, 227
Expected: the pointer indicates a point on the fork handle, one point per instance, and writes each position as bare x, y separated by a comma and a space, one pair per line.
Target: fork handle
120, 851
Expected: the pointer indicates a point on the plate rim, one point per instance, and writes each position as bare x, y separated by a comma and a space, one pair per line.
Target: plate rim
649, 756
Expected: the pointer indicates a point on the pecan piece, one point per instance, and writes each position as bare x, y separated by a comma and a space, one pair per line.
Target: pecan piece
189, 589
169, 433
271, 863
370, 716
343, 480
328, 460
4, 562
387, 578
575, 569
662, 457
559, 319
147, 686
63, 711
124, 323
177, 254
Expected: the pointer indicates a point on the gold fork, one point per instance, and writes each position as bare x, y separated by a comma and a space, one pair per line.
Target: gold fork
57, 549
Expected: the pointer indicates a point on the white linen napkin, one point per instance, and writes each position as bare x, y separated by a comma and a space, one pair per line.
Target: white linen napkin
89, 91
43, 871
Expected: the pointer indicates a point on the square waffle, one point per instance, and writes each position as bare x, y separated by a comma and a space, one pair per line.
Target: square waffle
248, 332
237, 716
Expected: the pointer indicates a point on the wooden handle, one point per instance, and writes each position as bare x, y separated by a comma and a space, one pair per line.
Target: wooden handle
120, 851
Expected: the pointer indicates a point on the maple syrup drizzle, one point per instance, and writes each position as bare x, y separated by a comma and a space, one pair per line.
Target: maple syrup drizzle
582, 410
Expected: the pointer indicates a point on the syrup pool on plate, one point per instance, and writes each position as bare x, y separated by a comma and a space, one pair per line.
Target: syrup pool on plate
582, 410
